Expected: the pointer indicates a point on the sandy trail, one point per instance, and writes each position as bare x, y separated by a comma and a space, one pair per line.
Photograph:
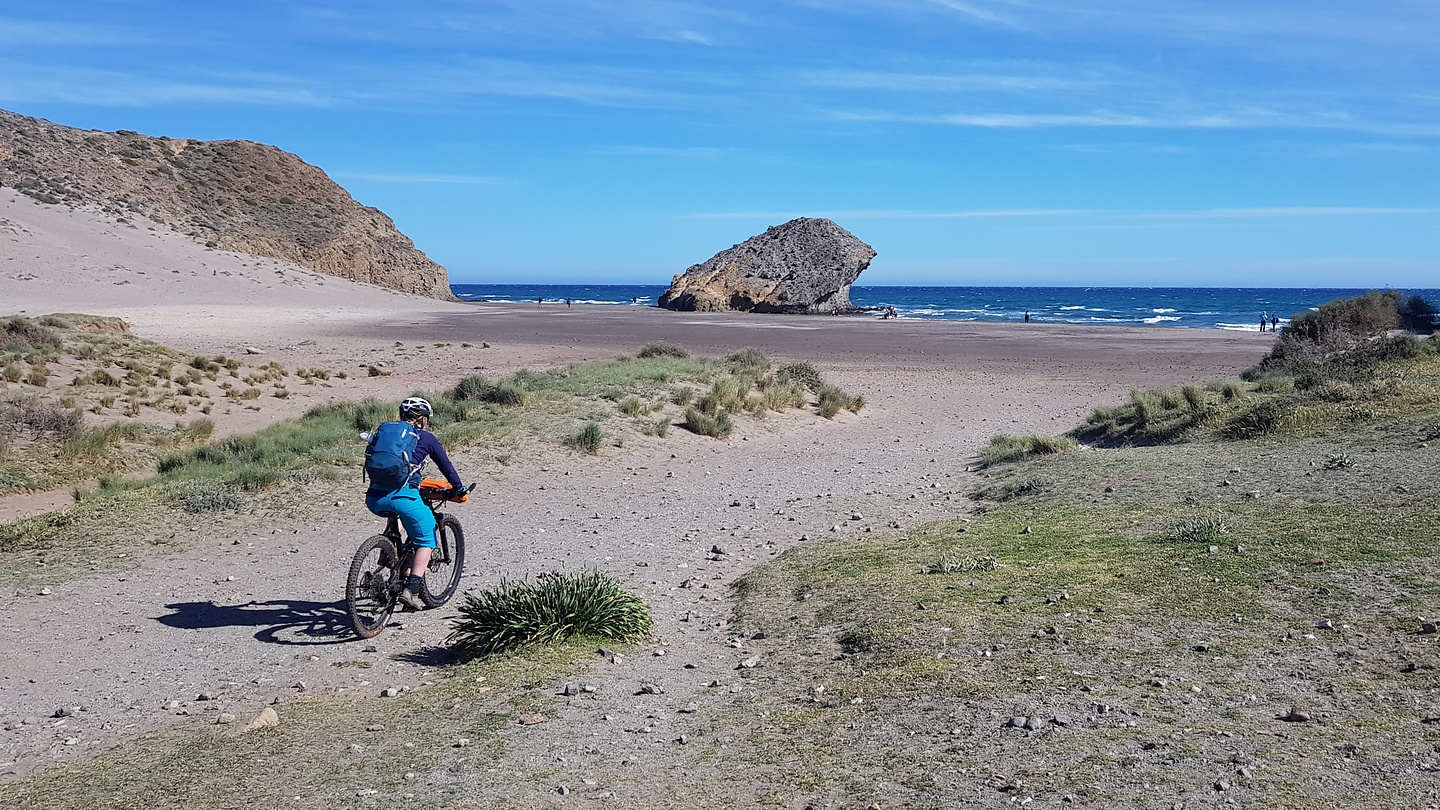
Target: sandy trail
249, 610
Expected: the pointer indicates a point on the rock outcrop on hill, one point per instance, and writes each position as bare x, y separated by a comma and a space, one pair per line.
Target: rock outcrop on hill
236, 195
805, 265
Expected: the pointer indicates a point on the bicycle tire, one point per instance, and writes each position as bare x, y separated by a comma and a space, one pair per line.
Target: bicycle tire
368, 598
447, 563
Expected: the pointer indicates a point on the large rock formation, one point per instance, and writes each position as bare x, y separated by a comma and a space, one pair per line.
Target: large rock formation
236, 195
805, 265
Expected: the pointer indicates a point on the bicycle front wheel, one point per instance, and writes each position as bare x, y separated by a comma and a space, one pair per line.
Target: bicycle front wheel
369, 598
442, 577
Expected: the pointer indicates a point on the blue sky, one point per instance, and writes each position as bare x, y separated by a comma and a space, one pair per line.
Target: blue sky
1010, 142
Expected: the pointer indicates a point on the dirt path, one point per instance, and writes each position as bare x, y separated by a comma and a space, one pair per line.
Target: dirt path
250, 612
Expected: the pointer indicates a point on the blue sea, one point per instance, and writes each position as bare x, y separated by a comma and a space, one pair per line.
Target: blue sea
1201, 307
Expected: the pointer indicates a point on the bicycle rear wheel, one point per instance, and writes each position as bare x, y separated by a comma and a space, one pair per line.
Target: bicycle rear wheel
368, 596
447, 563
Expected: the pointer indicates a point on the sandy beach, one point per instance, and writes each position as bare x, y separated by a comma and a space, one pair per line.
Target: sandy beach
251, 610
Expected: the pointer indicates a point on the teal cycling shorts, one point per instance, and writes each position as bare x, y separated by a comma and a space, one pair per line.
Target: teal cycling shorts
415, 516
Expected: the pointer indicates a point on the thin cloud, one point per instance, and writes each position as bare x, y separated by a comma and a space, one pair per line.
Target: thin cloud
683, 152
1257, 118
971, 10
129, 91
1305, 211
450, 179
881, 213
947, 82
38, 34
1110, 213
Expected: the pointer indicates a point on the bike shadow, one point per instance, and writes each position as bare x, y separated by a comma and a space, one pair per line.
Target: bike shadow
290, 622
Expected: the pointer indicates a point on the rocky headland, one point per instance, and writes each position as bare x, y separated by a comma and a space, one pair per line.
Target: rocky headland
233, 195
803, 266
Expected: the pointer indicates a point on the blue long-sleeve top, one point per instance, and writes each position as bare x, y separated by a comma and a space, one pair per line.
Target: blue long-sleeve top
428, 447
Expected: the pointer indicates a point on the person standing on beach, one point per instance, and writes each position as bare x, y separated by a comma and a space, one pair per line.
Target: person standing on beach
1274, 322
1027, 316
1264, 318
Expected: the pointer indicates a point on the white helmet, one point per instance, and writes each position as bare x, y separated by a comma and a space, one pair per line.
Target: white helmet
415, 407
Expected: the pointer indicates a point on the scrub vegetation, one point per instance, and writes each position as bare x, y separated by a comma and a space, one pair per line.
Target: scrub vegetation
48, 441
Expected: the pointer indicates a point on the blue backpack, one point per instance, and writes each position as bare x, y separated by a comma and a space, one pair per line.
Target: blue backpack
389, 458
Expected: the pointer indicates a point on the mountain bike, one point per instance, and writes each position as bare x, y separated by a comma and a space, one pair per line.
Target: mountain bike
382, 563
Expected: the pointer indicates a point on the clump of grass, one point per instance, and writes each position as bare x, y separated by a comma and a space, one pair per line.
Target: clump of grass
478, 389
587, 440
631, 406
37, 532
717, 425
12, 373
210, 496
660, 427
1010, 490
98, 441
1339, 461
663, 350
955, 564
554, 608
683, 396
830, 401
1197, 530
1004, 448
778, 396
748, 358
38, 418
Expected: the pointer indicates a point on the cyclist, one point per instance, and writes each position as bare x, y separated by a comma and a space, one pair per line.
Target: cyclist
405, 501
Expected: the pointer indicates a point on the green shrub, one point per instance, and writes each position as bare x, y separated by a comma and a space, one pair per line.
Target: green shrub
683, 396
39, 375
717, 425
631, 406
12, 373
802, 374
553, 608
663, 350
24, 334
587, 440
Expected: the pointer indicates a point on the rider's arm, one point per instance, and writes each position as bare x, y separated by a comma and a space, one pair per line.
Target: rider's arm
432, 449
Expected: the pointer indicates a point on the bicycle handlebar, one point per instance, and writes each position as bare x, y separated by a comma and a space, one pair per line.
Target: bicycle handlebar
436, 490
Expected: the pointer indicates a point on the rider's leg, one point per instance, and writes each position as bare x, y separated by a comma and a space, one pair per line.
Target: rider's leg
420, 526
422, 561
